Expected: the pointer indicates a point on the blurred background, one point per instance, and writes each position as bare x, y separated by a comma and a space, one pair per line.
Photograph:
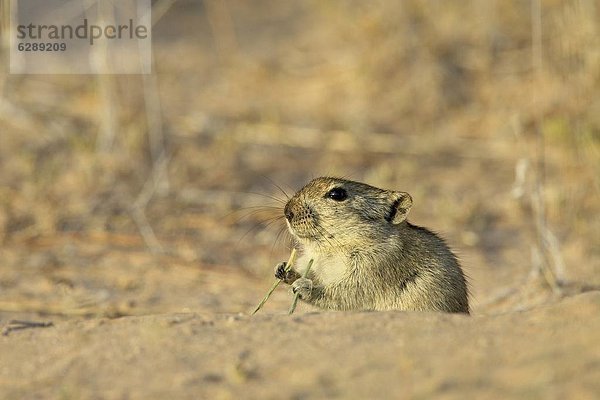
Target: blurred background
124, 195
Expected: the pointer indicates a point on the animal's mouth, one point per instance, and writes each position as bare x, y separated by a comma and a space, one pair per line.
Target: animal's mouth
301, 234
309, 233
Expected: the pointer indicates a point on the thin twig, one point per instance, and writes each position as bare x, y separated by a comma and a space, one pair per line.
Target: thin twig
156, 136
223, 29
546, 246
16, 325
106, 84
138, 209
5, 22
160, 8
288, 266
297, 295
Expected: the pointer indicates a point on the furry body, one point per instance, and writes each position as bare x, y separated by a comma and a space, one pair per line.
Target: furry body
367, 256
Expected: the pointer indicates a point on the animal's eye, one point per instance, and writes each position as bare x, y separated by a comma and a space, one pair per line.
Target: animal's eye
337, 194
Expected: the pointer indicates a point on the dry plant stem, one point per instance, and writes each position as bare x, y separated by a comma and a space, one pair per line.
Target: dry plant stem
545, 246
223, 29
17, 325
107, 90
270, 292
138, 210
4, 21
297, 295
156, 136
160, 8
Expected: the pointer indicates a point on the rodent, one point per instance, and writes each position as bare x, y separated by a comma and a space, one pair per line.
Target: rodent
366, 255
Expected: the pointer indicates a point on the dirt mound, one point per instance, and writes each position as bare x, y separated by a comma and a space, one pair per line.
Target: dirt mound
548, 352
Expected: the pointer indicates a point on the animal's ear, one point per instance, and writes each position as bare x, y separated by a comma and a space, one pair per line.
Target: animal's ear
399, 208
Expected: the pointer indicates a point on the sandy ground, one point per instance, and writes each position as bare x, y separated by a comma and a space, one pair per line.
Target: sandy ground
135, 219
551, 352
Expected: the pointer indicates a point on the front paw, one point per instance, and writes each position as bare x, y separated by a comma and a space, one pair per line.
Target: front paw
303, 287
288, 276
280, 272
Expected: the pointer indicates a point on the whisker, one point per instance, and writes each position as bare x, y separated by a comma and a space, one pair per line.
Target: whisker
262, 224
272, 221
261, 207
331, 239
269, 196
281, 231
277, 186
247, 212
243, 212
258, 212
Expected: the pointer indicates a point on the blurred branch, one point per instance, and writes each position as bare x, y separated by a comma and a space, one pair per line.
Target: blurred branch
547, 245
344, 141
159, 179
5, 16
223, 28
17, 116
154, 120
138, 209
160, 8
5, 23
546, 258
108, 118
106, 87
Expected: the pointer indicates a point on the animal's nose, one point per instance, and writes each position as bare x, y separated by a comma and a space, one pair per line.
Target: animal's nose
289, 214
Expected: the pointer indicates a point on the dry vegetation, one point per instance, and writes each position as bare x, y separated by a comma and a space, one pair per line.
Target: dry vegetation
446, 101
129, 195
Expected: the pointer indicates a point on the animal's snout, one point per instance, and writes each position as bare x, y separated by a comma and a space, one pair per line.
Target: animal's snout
289, 214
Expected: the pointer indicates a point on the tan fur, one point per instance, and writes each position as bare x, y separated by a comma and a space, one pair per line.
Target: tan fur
367, 256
